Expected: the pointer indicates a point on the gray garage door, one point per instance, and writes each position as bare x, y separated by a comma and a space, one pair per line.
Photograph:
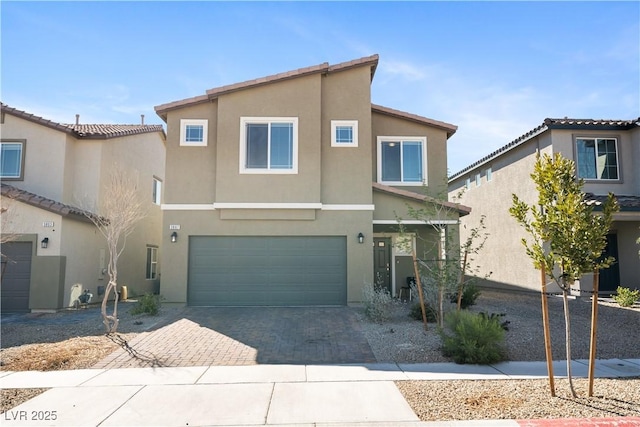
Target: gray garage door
267, 271
16, 276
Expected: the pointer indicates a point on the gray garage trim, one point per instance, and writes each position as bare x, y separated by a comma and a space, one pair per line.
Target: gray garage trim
16, 276
267, 271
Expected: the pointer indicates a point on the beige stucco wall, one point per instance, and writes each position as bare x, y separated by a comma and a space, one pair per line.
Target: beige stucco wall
384, 125
44, 156
503, 256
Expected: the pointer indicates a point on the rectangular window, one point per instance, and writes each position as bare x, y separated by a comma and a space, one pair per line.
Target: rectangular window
152, 262
597, 158
402, 160
193, 132
157, 191
467, 183
478, 179
12, 159
269, 145
488, 174
344, 133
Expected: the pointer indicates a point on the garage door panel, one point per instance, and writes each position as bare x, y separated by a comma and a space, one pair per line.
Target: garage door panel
274, 270
16, 276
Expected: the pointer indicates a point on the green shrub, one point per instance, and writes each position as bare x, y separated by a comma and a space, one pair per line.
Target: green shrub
504, 324
416, 313
472, 338
149, 304
469, 295
378, 303
626, 297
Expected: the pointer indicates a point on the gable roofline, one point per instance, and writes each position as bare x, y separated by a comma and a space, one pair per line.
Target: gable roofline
548, 124
14, 193
212, 94
416, 197
85, 131
448, 127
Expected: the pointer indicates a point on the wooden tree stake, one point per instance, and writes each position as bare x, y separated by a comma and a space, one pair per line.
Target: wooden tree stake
594, 326
547, 332
419, 286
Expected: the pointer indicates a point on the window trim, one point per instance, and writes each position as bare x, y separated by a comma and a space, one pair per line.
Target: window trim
616, 138
244, 121
157, 191
23, 149
422, 140
150, 263
488, 173
183, 132
478, 179
354, 128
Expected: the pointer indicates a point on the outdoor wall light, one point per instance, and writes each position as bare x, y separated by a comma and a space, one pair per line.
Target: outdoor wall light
360, 238
44, 243
174, 237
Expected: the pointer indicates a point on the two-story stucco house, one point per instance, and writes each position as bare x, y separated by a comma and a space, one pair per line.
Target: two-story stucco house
607, 157
48, 169
280, 190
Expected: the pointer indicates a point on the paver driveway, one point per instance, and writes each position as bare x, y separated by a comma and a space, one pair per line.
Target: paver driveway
249, 336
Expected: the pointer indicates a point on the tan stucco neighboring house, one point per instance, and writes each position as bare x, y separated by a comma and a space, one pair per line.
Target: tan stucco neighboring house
607, 157
53, 252
281, 190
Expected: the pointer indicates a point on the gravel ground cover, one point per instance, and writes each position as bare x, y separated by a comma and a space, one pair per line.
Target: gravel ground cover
76, 340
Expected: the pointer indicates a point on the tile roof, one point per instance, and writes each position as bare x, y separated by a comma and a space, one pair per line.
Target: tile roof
626, 203
11, 192
451, 129
417, 197
549, 123
85, 131
211, 94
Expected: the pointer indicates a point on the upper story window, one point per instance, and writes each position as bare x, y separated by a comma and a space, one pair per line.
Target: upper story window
12, 159
344, 133
488, 174
478, 179
467, 183
157, 191
269, 145
193, 132
597, 158
402, 160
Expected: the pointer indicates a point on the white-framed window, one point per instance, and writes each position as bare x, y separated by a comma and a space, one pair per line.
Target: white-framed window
157, 191
467, 183
344, 133
488, 174
193, 132
152, 263
12, 159
402, 160
269, 145
478, 179
597, 158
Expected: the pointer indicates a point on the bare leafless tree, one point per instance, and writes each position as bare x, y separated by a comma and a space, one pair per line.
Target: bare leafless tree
119, 210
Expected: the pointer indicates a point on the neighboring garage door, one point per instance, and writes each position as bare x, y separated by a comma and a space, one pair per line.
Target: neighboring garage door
267, 271
16, 276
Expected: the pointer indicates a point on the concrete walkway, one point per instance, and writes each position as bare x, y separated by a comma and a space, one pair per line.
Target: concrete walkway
273, 395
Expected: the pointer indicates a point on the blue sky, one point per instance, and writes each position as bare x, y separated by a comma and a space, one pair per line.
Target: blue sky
494, 69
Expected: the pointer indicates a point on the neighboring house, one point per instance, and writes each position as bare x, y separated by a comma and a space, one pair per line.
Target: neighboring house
48, 170
280, 190
607, 157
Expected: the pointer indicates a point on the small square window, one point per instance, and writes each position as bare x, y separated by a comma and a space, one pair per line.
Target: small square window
12, 159
193, 132
344, 133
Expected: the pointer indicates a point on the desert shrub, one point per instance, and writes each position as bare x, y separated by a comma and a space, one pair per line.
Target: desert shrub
498, 317
149, 304
416, 313
472, 338
378, 303
469, 295
625, 297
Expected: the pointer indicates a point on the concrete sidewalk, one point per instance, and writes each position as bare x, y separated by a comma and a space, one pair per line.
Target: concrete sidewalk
303, 395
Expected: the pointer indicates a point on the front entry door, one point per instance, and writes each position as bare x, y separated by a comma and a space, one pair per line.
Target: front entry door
382, 262
610, 277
